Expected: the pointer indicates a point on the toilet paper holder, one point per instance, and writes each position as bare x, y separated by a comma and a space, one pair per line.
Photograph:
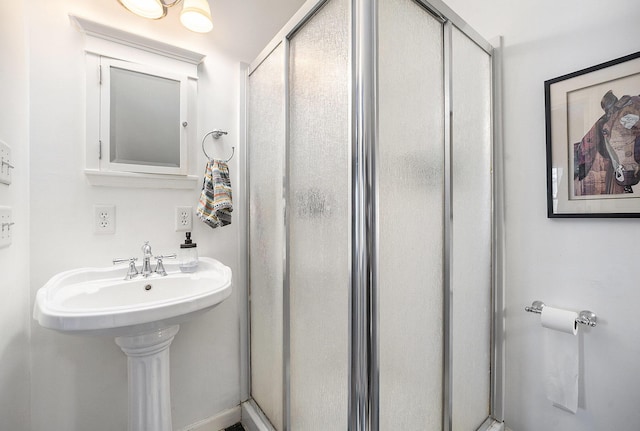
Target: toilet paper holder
585, 317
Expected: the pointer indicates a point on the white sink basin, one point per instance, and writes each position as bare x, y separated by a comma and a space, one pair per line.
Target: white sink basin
143, 314
98, 301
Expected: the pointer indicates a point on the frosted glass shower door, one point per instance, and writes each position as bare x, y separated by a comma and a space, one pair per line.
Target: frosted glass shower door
471, 256
411, 187
319, 220
435, 197
266, 232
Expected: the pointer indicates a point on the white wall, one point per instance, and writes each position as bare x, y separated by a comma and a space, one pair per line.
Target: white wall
14, 268
577, 264
79, 383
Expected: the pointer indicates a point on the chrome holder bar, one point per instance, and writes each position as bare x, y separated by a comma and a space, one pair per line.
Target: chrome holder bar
585, 317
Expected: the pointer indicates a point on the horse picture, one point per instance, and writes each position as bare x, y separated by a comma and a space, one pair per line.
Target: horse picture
607, 159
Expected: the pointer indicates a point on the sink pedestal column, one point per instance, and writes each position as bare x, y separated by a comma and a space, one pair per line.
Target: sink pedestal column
148, 369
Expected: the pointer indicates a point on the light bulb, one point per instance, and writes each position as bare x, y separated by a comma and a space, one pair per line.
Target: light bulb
152, 9
196, 16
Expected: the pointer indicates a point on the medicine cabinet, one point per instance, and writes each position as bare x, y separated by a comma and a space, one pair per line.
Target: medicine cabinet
141, 109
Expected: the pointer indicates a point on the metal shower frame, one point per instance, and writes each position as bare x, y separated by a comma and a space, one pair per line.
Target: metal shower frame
364, 295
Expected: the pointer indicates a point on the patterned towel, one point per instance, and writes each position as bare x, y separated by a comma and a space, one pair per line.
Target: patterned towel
215, 205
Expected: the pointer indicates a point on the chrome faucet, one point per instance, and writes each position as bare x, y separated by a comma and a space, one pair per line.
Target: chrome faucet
146, 260
145, 271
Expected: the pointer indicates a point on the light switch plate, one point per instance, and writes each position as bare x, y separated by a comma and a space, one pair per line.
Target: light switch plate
6, 165
6, 226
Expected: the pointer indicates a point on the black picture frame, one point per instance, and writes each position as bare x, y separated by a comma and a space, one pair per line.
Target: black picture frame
591, 115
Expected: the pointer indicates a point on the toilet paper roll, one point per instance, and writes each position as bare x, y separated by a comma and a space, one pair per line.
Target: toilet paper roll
562, 361
559, 320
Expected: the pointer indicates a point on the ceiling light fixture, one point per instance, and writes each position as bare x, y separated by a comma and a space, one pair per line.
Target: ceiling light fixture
195, 15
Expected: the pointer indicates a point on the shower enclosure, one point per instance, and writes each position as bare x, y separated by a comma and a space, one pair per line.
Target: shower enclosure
371, 257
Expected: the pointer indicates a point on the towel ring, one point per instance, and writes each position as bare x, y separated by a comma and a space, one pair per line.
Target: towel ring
216, 134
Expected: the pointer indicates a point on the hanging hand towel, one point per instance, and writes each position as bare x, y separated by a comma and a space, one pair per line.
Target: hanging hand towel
215, 205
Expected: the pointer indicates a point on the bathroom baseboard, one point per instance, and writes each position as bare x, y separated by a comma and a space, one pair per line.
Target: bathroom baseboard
253, 419
217, 422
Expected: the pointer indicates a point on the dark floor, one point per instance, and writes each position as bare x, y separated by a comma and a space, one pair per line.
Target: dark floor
236, 427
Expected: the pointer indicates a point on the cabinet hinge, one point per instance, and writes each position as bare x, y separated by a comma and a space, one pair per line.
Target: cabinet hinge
99, 149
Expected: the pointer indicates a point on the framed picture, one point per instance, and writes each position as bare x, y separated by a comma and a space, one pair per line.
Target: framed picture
593, 141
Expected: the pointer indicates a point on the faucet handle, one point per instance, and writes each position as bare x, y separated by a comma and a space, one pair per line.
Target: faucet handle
160, 266
120, 260
146, 249
133, 271
166, 256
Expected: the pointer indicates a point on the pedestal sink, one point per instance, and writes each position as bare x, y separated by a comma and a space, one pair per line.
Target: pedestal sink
143, 314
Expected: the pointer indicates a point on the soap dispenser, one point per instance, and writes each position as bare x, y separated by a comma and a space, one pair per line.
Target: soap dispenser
188, 257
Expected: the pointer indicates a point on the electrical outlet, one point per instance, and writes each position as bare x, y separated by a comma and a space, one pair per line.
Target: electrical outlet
105, 218
184, 219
